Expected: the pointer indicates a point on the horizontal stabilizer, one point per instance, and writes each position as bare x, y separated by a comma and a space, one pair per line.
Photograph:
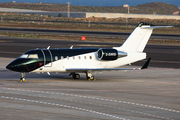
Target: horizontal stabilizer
153, 27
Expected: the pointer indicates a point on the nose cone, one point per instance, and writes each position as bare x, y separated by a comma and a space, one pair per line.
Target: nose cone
23, 65
12, 66
16, 65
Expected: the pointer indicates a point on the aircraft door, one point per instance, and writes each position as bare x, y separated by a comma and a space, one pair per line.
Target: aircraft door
47, 58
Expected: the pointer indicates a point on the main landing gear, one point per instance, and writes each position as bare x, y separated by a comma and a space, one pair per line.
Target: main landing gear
22, 79
89, 76
74, 75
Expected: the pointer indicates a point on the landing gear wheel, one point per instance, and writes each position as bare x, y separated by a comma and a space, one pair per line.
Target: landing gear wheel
76, 76
22, 77
91, 78
22, 80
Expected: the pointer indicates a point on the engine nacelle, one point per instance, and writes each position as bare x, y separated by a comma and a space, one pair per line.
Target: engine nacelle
109, 54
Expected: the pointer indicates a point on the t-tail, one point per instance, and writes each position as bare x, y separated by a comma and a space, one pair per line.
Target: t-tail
139, 37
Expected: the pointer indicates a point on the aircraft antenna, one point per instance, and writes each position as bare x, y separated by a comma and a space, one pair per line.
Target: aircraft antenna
71, 47
48, 47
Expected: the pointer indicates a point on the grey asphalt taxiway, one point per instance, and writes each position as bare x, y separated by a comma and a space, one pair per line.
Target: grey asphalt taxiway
151, 94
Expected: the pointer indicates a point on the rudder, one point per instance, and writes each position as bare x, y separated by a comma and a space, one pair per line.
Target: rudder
138, 38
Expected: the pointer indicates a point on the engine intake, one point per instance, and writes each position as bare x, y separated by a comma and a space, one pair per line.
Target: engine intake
110, 54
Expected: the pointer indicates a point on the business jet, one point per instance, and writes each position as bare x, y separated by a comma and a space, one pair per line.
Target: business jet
86, 60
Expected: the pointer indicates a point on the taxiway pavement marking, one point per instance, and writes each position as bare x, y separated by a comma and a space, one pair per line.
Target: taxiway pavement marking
103, 99
98, 98
66, 106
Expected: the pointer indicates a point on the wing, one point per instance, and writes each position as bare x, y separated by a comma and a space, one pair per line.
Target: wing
107, 69
98, 69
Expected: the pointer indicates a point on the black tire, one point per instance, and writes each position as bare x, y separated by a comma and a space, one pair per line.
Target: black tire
92, 77
76, 76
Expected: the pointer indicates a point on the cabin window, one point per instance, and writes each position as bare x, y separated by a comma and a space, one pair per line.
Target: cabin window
73, 57
33, 56
56, 58
84, 57
90, 57
79, 57
67, 57
62, 58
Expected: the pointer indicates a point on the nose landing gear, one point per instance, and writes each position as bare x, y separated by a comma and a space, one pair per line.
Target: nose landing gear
22, 79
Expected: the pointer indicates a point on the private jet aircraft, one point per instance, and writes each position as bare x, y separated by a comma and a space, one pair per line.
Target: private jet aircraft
86, 60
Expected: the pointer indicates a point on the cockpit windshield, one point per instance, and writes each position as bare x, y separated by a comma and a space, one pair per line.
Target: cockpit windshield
35, 56
24, 56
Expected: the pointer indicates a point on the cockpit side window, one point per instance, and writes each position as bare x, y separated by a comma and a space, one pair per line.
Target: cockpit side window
33, 56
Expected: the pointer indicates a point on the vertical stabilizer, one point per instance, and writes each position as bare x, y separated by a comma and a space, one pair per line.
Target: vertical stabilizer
139, 37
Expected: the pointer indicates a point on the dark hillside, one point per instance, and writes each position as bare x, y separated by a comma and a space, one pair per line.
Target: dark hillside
155, 7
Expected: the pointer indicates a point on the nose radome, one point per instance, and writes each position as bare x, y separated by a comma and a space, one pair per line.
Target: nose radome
14, 65
22, 65
10, 67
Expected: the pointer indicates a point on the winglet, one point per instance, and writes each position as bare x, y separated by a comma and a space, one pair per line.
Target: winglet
146, 64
